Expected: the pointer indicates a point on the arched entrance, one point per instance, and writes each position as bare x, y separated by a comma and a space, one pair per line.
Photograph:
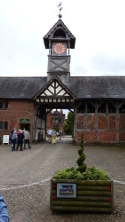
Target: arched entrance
55, 95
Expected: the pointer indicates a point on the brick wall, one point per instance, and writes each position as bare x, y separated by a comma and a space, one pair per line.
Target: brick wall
112, 122
80, 122
122, 122
108, 128
122, 136
102, 122
88, 136
122, 128
17, 110
91, 122
106, 136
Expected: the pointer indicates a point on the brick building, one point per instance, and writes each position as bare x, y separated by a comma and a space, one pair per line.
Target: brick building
98, 101
55, 120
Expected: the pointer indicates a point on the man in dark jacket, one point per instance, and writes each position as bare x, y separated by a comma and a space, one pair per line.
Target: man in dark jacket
20, 140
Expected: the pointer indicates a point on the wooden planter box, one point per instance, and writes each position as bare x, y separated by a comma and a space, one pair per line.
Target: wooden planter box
81, 195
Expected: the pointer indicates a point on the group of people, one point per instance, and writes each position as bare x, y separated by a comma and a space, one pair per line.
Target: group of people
52, 134
20, 139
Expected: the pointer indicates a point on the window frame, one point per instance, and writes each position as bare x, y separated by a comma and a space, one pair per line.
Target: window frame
1, 124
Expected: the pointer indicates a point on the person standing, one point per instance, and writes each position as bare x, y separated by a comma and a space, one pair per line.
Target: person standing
26, 139
19, 132
11, 133
3, 211
14, 137
20, 136
53, 136
49, 133
60, 134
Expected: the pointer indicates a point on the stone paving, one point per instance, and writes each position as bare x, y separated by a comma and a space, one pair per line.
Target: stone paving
25, 180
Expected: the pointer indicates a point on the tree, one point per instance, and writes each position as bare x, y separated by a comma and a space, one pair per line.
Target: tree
69, 124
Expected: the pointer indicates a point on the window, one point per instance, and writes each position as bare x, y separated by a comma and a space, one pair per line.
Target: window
5, 125
6, 105
1, 125
1, 105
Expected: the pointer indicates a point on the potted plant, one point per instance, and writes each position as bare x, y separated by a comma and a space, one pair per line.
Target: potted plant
81, 189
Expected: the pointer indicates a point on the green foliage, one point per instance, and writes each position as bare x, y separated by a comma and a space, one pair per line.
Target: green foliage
82, 168
92, 173
81, 159
80, 162
80, 151
69, 124
68, 174
95, 173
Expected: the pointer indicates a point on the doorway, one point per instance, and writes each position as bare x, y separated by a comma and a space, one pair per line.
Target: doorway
25, 126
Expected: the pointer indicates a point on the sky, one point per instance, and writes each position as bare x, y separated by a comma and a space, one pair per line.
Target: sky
98, 26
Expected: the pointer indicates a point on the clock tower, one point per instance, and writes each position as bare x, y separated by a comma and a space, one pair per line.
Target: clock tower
59, 40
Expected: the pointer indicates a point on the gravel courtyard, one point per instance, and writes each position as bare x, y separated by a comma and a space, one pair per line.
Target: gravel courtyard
25, 180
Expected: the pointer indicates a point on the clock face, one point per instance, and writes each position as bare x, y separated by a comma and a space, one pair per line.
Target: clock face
59, 48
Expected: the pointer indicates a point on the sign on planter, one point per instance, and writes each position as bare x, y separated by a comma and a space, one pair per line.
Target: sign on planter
66, 190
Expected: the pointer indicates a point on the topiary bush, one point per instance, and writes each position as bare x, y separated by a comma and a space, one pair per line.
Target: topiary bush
81, 172
81, 165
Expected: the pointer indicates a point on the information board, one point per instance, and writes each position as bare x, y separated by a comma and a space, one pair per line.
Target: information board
6, 139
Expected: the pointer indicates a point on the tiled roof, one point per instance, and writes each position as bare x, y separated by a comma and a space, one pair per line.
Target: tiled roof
91, 87
20, 87
97, 87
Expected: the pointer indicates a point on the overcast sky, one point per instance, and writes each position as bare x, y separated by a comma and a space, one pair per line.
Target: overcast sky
98, 26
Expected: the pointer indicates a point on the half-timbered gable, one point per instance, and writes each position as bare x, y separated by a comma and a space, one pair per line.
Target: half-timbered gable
55, 94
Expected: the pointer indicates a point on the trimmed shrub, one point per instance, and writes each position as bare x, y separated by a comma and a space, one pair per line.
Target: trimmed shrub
81, 165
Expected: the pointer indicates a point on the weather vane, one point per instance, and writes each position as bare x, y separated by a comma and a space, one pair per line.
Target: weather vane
59, 6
